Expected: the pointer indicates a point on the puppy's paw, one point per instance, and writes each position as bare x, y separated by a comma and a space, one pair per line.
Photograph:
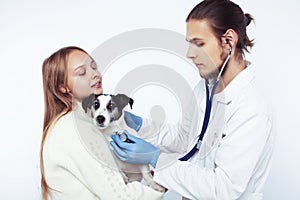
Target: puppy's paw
125, 178
157, 187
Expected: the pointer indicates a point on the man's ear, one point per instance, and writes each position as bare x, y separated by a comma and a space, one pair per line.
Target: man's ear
87, 103
230, 36
122, 100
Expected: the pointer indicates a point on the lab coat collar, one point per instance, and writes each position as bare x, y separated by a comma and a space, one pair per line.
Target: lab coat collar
236, 85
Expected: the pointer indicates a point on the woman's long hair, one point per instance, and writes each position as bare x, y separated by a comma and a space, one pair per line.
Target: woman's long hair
56, 103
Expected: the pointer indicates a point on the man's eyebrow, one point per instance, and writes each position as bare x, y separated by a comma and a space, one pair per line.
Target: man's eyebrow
192, 40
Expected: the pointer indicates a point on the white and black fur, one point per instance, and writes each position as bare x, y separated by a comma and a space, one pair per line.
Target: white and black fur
107, 112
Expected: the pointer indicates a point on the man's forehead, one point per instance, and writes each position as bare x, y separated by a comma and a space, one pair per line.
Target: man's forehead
198, 29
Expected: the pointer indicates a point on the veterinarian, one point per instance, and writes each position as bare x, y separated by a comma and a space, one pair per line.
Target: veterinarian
227, 155
68, 169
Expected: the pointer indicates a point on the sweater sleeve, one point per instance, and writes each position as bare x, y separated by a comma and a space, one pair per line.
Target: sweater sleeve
106, 182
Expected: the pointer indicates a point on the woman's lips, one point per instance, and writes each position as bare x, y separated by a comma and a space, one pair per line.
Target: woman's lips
97, 85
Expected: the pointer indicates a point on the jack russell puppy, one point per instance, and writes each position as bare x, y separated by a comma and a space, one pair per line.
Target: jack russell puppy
107, 112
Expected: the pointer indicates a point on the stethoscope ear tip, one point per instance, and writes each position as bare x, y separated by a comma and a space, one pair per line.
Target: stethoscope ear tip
230, 45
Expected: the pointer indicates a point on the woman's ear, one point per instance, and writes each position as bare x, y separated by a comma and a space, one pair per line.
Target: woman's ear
63, 89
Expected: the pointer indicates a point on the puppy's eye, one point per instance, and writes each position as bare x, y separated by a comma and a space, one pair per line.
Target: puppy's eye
96, 104
111, 106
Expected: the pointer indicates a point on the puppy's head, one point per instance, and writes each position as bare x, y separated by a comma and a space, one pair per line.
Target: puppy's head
105, 108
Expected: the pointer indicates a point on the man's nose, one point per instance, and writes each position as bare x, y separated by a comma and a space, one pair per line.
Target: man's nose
191, 53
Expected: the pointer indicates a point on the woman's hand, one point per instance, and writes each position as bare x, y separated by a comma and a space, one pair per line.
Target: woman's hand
138, 151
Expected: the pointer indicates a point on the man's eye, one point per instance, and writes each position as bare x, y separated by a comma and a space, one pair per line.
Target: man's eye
96, 104
199, 44
196, 43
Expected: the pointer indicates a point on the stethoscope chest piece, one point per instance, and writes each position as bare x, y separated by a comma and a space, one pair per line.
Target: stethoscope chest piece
123, 136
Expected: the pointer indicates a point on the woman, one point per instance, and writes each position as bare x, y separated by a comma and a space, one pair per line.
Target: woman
69, 170
233, 158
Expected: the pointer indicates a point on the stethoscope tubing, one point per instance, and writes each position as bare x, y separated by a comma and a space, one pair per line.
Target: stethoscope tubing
209, 99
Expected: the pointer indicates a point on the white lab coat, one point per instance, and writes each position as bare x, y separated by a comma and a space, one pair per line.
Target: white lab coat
235, 156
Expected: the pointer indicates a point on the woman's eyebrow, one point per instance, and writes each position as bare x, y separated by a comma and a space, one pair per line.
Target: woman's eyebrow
78, 67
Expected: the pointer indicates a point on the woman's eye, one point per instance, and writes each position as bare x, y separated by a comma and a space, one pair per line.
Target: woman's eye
93, 65
82, 72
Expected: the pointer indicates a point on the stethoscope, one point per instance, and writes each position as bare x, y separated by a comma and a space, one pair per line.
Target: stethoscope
123, 136
209, 99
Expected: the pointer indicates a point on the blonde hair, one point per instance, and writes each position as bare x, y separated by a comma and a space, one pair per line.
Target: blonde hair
56, 103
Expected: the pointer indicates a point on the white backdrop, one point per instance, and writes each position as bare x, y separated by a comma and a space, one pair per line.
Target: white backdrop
31, 30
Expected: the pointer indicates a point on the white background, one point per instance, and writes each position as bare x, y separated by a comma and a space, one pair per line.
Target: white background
31, 30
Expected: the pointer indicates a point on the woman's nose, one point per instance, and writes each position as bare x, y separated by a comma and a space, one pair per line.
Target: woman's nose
96, 74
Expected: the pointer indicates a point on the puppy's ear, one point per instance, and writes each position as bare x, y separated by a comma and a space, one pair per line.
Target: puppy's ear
122, 100
88, 102
130, 102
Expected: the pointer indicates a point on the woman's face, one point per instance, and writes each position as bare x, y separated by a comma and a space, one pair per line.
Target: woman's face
83, 76
204, 49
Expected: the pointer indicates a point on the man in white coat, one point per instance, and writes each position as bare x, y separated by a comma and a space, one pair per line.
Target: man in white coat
233, 158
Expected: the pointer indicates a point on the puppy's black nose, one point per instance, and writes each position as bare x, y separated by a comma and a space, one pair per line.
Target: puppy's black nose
100, 119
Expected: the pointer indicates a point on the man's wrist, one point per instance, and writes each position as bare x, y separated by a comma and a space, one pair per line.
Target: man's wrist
155, 158
139, 124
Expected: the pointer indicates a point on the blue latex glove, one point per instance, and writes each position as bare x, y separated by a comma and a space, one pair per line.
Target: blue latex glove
138, 151
133, 121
